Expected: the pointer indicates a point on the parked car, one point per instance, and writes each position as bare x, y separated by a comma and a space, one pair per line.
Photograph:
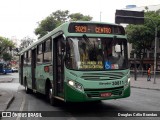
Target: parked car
7, 70
14, 69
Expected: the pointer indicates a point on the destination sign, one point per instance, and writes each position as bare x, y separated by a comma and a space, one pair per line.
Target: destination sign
95, 28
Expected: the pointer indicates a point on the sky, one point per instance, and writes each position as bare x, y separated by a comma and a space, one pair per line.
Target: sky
19, 18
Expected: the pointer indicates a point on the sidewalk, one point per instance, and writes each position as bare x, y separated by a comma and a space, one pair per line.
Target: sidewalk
142, 82
5, 100
4, 80
5, 97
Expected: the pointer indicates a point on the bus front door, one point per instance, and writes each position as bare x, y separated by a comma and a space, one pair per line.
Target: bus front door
59, 67
21, 64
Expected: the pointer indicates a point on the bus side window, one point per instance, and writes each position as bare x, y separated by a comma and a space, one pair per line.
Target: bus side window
47, 51
29, 57
25, 59
39, 54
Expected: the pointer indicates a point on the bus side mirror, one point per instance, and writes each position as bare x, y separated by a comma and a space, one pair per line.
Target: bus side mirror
63, 54
62, 50
117, 48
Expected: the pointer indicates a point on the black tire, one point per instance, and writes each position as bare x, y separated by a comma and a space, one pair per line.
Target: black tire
97, 102
28, 91
50, 98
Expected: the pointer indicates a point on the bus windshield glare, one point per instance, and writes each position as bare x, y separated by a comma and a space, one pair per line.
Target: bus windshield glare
83, 53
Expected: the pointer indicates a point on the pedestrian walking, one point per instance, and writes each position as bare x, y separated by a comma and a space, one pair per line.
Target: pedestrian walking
149, 74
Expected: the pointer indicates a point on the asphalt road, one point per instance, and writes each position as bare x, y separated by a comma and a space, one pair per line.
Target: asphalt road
140, 100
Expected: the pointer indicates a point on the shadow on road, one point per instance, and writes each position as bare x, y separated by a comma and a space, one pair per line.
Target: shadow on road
82, 109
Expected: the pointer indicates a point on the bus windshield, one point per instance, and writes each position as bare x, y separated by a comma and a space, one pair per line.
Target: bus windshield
83, 53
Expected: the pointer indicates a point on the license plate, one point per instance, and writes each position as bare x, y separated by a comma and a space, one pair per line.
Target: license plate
107, 94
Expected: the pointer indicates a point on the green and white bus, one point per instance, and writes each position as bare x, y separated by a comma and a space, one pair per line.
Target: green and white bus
78, 62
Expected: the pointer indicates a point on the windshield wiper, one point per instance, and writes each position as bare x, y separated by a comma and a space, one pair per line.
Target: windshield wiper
87, 40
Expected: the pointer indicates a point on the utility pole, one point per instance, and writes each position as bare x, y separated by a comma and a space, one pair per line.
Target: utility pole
155, 54
135, 68
100, 16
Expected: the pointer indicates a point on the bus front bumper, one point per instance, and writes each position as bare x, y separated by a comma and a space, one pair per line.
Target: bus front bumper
73, 95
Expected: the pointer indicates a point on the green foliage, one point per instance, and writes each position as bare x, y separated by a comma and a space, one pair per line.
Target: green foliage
5, 43
56, 19
142, 36
80, 17
46, 26
25, 42
60, 16
7, 57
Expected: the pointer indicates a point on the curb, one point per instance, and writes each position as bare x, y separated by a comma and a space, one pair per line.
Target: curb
5, 80
6, 105
145, 88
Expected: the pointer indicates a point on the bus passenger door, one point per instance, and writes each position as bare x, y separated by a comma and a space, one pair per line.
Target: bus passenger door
33, 68
59, 66
21, 65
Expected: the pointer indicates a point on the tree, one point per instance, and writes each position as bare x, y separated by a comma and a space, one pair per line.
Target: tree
5, 43
56, 19
60, 16
7, 56
46, 26
25, 42
51, 22
142, 36
80, 17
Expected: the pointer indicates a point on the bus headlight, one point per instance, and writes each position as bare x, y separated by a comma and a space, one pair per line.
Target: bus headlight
127, 81
71, 83
76, 85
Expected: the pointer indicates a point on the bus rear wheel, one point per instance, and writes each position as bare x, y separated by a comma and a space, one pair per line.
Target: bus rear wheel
28, 91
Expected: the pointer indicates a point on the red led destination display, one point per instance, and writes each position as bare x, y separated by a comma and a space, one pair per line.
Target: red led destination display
95, 28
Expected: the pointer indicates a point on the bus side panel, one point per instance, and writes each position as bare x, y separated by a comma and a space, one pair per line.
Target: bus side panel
41, 77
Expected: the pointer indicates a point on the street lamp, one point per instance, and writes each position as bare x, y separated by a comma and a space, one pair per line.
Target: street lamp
100, 16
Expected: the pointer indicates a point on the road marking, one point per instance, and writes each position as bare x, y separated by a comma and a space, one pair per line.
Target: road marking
22, 106
72, 118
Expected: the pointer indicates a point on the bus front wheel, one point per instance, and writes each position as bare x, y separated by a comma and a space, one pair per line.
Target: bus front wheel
50, 98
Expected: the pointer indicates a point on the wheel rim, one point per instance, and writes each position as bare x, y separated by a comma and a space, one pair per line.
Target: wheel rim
25, 87
50, 94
